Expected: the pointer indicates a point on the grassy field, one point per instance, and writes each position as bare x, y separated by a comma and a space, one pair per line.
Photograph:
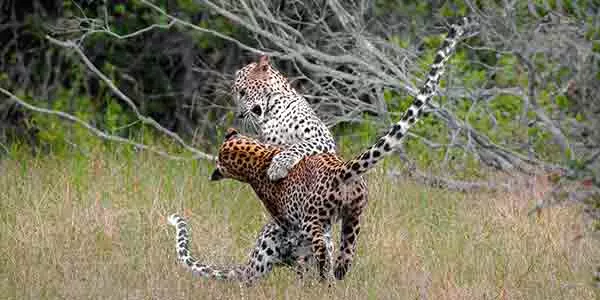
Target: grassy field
93, 227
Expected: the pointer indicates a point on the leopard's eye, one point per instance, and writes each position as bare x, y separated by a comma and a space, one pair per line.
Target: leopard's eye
242, 93
256, 110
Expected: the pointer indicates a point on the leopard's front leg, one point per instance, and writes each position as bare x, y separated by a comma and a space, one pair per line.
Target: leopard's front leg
286, 159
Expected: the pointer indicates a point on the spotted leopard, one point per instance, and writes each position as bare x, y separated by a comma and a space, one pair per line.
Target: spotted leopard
318, 191
281, 115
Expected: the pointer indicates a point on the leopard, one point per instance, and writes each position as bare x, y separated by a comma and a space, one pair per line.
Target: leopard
280, 115
318, 192
305, 194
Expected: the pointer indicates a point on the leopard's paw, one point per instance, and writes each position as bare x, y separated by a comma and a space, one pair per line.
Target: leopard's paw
279, 168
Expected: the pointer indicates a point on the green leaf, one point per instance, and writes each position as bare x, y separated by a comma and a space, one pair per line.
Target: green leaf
387, 96
533, 131
188, 6
120, 8
562, 101
474, 78
596, 47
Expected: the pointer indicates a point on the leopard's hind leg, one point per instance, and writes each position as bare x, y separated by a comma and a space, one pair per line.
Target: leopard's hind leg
267, 252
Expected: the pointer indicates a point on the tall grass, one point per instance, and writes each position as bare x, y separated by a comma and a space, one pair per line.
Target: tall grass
93, 227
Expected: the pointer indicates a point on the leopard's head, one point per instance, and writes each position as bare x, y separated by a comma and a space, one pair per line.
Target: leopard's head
252, 87
242, 158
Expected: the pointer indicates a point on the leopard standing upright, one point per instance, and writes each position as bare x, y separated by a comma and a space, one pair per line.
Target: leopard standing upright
281, 115
318, 191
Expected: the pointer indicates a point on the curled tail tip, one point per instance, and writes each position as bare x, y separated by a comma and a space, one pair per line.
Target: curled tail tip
174, 219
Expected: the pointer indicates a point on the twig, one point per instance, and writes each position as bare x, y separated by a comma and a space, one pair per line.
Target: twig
126, 99
4, 148
205, 30
451, 184
93, 129
530, 98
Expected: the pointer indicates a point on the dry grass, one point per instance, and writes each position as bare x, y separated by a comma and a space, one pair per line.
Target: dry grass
93, 228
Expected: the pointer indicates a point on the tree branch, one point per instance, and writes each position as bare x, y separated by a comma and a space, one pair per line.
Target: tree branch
96, 131
127, 100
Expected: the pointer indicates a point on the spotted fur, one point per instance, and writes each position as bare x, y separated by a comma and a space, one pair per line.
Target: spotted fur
299, 233
306, 203
274, 246
319, 190
281, 115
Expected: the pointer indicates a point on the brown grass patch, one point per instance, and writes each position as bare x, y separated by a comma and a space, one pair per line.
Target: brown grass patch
93, 228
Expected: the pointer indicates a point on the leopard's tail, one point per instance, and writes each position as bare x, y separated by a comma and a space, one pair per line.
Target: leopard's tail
385, 144
185, 257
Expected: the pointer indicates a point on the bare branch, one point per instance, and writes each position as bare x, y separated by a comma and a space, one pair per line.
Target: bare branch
89, 26
530, 98
4, 148
127, 100
451, 184
96, 131
210, 31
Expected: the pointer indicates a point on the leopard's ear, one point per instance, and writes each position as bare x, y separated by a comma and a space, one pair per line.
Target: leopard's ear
263, 63
230, 133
